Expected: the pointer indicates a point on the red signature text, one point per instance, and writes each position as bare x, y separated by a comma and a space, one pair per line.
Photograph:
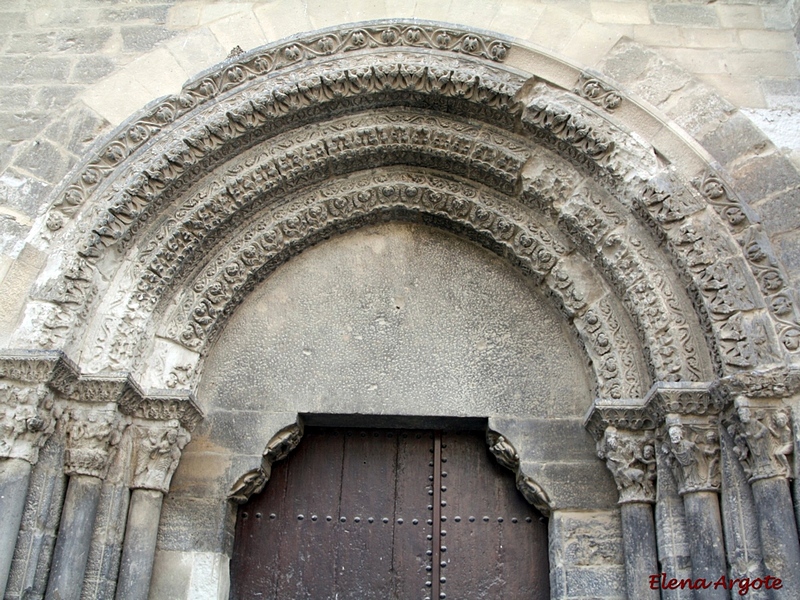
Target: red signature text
742, 585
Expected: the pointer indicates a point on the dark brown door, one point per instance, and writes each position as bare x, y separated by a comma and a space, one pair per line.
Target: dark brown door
376, 513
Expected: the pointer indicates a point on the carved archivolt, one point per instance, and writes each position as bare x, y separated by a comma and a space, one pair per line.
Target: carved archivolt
541, 174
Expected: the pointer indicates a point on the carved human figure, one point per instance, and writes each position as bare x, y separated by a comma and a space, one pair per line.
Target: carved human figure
631, 462
695, 461
157, 455
764, 441
782, 433
92, 439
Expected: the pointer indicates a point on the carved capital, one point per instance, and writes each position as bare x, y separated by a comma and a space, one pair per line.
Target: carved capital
93, 433
762, 437
157, 451
28, 415
631, 458
692, 449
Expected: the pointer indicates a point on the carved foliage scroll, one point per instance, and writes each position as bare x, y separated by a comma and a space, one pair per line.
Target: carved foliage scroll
255, 65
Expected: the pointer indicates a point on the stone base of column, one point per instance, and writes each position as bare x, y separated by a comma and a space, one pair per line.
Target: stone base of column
74, 538
779, 543
639, 541
139, 547
15, 475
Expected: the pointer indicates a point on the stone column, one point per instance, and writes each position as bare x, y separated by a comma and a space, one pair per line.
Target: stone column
156, 452
762, 441
26, 421
631, 458
692, 448
93, 433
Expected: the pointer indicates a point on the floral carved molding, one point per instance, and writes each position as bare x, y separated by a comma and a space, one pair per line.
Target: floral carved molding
678, 257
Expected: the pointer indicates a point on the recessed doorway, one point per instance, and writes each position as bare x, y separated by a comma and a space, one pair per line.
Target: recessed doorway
389, 513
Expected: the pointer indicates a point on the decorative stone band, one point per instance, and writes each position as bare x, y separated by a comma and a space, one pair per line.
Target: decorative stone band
634, 414
762, 437
779, 382
278, 448
683, 398
157, 450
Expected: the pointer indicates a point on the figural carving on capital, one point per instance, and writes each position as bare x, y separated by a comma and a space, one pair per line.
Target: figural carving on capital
693, 453
762, 438
28, 415
93, 434
631, 458
157, 449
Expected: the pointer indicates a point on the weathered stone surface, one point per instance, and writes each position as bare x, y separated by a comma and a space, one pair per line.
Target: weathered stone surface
142, 38
43, 160
781, 212
39, 524
196, 524
359, 328
763, 176
102, 564
140, 545
639, 543
74, 538
586, 555
740, 525
14, 478
735, 140
673, 545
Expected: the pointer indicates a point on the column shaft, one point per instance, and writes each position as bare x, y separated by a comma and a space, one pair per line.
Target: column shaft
139, 547
639, 541
704, 529
74, 538
15, 475
779, 542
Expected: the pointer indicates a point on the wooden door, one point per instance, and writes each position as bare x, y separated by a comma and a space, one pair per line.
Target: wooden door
379, 514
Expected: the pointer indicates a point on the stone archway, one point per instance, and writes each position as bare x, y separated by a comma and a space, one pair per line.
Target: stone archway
658, 271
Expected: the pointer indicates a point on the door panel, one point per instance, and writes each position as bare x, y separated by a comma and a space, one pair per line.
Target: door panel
356, 514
